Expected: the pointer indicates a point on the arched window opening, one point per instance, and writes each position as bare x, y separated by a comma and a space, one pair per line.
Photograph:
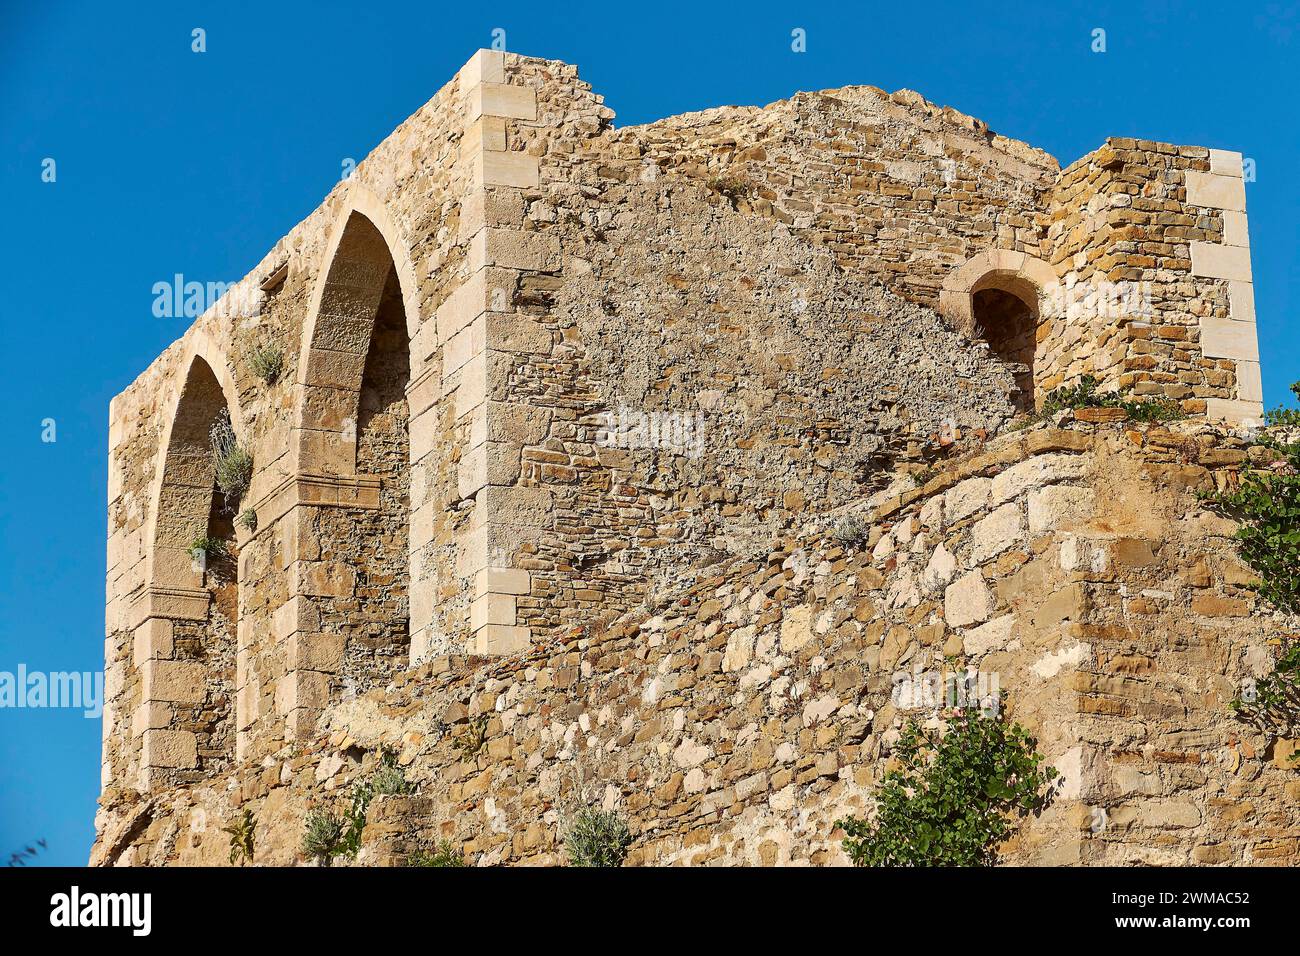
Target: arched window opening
188, 694
1009, 324
359, 369
384, 451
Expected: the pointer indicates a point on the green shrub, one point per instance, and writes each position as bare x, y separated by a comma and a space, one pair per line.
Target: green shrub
444, 854
242, 830
1267, 502
953, 796
1272, 703
1085, 394
248, 518
327, 836
597, 838
266, 361
233, 464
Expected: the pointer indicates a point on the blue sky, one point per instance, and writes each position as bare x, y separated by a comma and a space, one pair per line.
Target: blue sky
170, 161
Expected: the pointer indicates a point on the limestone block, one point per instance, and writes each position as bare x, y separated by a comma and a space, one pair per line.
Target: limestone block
502, 581
502, 99
177, 749
511, 332
247, 702
966, 498
1235, 232
796, 629
464, 345
314, 652
1058, 506
322, 579
492, 463
1228, 338
152, 639
1237, 412
492, 609
939, 570
501, 639
1214, 261
295, 614
522, 507
182, 682
1034, 473
466, 303
302, 689
1241, 301
1250, 386
514, 249
967, 600
485, 133
1225, 162
993, 636
424, 392
1216, 191
997, 532
485, 66
151, 715
514, 169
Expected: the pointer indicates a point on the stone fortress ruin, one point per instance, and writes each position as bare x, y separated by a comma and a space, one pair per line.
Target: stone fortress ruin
566, 417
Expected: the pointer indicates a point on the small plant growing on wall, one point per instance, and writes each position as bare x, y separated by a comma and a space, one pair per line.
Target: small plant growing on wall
266, 361
474, 739
206, 548
597, 838
326, 836
1086, 394
322, 836
851, 533
248, 519
444, 854
732, 188
953, 795
233, 464
242, 831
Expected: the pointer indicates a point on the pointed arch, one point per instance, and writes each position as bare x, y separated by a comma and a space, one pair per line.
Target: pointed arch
365, 246
181, 493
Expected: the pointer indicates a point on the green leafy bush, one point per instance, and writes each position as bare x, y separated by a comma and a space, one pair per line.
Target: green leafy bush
327, 836
597, 838
953, 797
444, 854
1272, 703
1267, 502
248, 518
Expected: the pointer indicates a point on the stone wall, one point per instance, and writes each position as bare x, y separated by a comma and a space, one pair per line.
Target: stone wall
1074, 570
541, 372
